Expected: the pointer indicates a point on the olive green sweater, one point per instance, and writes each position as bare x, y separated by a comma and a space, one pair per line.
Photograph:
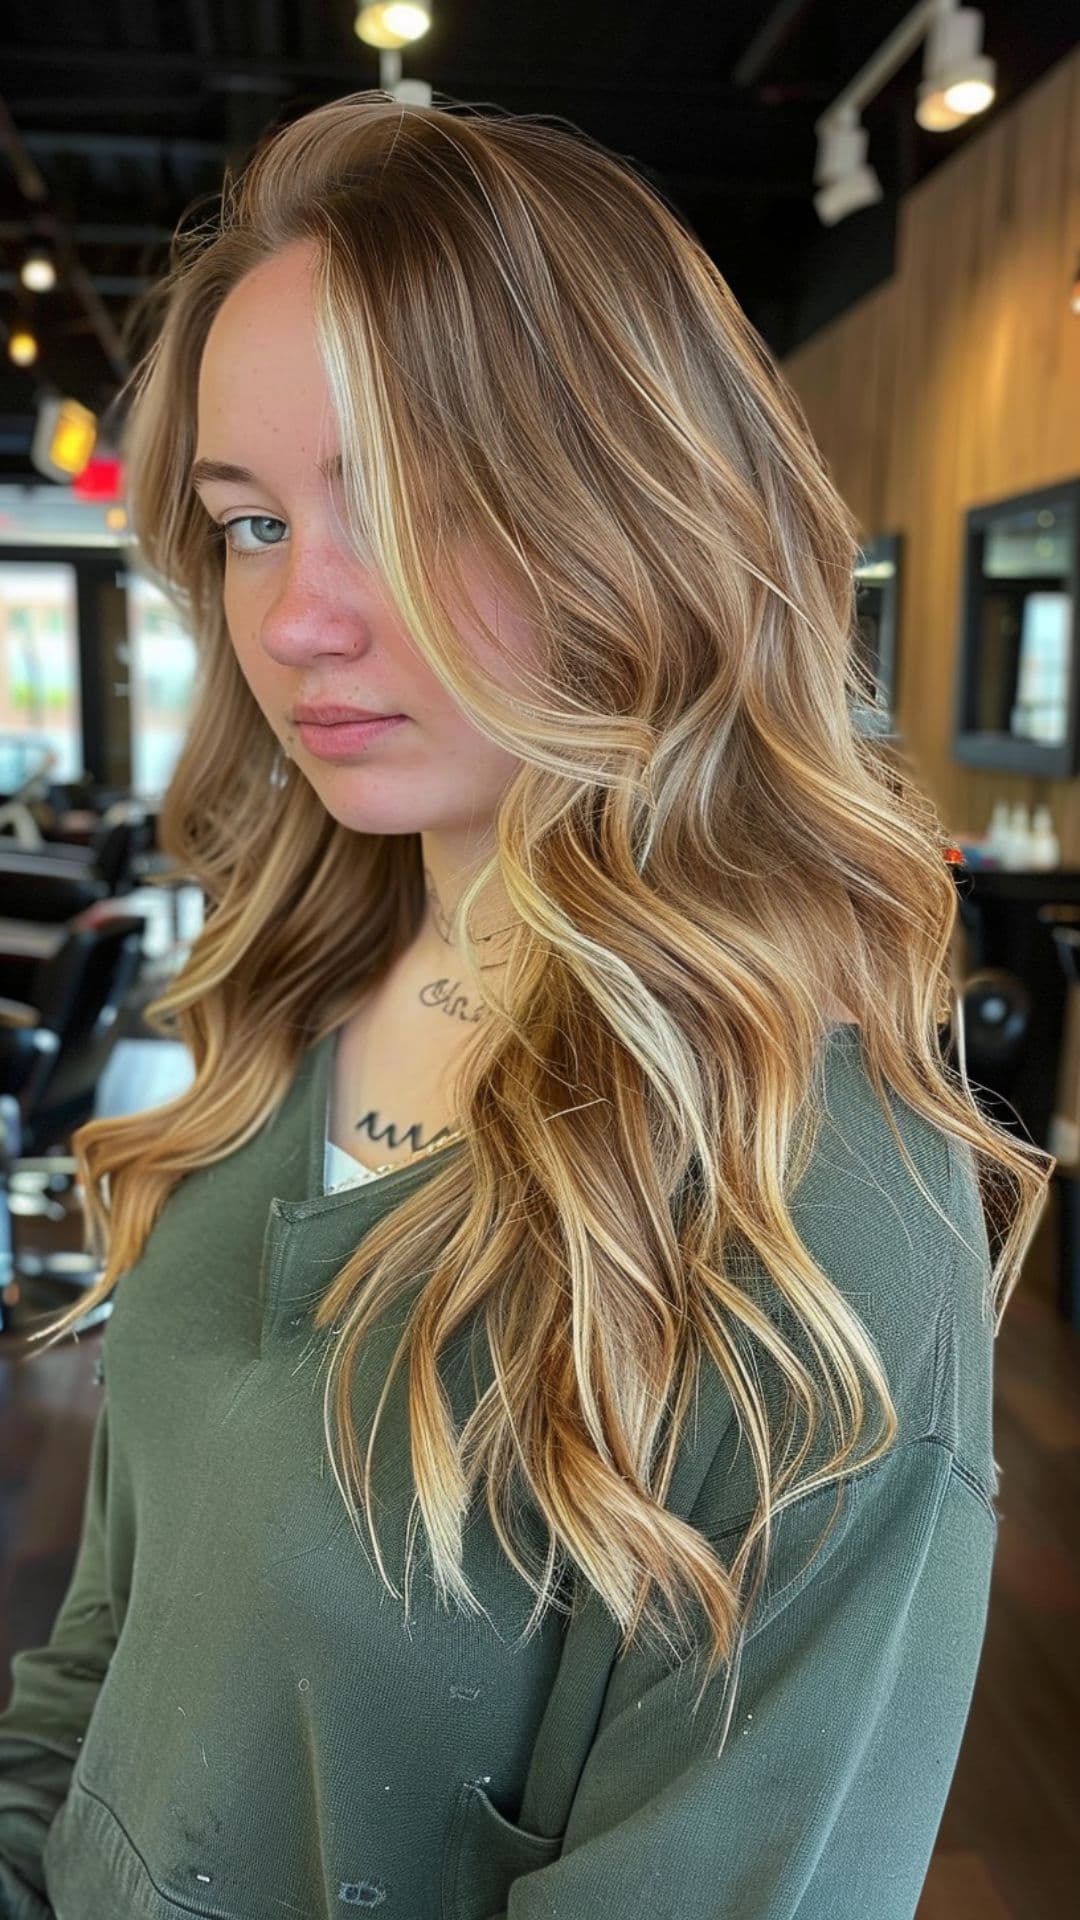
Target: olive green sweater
230, 1718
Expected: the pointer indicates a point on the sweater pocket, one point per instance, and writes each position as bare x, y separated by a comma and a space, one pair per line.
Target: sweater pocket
485, 1852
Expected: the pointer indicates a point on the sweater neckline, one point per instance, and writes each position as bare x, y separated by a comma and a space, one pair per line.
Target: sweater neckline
322, 1055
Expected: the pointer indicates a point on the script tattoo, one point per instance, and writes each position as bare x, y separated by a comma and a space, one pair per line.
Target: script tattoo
451, 1001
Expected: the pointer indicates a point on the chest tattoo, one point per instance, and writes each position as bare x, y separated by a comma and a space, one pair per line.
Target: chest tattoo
389, 1134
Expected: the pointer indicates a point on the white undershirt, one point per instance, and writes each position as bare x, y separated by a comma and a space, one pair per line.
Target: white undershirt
341, 1170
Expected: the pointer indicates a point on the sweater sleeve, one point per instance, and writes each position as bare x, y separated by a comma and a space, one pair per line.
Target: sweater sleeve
54, 1688
851, 1698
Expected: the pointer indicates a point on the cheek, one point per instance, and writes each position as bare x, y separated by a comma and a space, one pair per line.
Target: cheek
242, 623
482, 762
237, 608
242, 615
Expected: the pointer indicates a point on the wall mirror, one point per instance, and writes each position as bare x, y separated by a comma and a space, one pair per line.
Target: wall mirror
1017, 672
877, 618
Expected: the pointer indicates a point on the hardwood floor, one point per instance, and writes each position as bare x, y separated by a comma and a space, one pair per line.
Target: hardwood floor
1009, 1842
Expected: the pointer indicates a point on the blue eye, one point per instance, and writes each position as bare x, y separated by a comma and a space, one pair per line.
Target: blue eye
254, 519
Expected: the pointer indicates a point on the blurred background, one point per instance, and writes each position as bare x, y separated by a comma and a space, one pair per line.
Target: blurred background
893, 195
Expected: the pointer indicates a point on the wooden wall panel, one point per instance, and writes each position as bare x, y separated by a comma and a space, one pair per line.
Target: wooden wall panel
955, 383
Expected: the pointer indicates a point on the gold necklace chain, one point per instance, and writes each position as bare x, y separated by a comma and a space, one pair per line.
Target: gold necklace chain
394, 1166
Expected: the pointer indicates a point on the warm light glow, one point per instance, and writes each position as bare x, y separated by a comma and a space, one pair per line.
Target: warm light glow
22, 347
74, 437
934, 113
115, 519
65, 433
38, 272
65, 436
966, 97
389, 24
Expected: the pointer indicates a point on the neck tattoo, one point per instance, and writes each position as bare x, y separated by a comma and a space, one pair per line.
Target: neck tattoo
445, 997
452, 1001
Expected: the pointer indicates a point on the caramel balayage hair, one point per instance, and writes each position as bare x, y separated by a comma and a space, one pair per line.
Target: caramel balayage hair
527, 351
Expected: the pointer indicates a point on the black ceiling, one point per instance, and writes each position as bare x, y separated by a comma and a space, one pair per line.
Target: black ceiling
123, 114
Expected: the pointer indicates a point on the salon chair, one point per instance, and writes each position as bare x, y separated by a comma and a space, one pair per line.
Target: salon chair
52, 1055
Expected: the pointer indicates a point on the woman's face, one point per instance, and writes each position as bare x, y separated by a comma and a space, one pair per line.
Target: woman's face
307, 619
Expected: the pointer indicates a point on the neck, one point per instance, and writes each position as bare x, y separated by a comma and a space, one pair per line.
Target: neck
431, 958
492, 918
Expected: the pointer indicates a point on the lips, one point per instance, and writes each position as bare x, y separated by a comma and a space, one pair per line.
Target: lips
336, 716
343, 739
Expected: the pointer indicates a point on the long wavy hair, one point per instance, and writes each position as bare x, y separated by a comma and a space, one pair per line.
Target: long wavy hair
701, 848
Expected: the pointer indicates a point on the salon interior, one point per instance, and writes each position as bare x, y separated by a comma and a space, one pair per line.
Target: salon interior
893, 195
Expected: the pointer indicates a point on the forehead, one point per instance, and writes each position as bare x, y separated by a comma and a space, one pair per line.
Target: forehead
262, 392
273, 297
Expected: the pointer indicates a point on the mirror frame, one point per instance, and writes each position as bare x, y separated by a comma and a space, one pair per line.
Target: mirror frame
881, 718
977, 746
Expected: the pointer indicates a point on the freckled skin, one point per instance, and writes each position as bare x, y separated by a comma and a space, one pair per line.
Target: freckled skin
310, 622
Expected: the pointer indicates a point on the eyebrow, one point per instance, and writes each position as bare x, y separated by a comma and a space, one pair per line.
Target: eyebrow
206, 470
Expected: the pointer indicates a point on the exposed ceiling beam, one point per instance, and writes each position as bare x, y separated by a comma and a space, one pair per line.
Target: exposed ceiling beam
201, 27
222, 70
769, 36
33, 185
136, 145
120, 285
99, 233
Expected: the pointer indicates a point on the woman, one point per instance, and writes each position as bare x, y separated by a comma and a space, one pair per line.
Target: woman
571, 1159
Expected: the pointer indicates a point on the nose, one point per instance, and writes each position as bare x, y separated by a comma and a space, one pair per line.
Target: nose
317, 609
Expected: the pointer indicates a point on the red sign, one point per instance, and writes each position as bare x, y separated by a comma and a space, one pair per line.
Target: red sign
101, 479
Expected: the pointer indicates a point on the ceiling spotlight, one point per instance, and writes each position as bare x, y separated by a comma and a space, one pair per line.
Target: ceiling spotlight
392, 23
958, 78
38, 268
844, 179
